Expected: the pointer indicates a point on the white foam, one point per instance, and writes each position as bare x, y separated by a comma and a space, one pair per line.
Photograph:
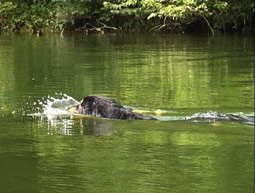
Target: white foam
53, 110
54, 107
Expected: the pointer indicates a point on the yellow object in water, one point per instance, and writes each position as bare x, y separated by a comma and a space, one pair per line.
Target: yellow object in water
72, 109
140, 111
98, 29
159, 112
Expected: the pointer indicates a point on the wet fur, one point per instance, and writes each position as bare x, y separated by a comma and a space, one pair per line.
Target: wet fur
104, 107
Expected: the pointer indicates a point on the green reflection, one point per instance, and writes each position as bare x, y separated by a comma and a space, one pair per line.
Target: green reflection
168, 72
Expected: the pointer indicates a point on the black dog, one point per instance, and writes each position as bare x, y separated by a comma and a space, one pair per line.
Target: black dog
100, 106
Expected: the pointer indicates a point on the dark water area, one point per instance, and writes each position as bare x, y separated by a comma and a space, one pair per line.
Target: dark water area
195, 80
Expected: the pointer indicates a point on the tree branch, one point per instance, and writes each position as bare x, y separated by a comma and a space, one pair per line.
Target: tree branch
104, 26
159, 27
212, 31
90, 27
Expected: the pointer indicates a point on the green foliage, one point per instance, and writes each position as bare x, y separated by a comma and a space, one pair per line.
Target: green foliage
240, 15
126, 14
166, 12
216, 14
7, 15
39, 16
148, 15
65, 13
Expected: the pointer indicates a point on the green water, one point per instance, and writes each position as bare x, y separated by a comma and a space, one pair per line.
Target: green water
179, 74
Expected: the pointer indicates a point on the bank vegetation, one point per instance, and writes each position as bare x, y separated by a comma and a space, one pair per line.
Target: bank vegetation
98, 16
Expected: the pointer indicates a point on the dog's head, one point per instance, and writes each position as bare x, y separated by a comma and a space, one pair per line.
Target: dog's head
76, 108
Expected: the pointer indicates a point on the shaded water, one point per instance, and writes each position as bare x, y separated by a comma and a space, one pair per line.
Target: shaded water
185, 76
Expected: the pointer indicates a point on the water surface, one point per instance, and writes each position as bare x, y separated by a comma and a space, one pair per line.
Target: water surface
180, 74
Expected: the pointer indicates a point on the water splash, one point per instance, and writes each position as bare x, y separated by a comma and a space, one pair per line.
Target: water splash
53, 108
212, 116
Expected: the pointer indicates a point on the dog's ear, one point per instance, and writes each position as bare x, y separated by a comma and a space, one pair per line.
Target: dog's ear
79, 107
82, 102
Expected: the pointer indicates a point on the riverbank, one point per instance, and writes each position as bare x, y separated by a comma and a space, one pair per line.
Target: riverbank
128, 16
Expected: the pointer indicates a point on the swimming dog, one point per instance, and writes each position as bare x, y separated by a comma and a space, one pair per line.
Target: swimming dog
104, 107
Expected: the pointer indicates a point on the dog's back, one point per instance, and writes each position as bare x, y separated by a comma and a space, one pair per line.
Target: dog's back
100, 106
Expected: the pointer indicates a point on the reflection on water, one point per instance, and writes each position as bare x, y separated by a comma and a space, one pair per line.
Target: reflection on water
96, 127
168, 72
203, 85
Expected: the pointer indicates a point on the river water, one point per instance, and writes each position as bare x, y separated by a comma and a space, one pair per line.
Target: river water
196, 81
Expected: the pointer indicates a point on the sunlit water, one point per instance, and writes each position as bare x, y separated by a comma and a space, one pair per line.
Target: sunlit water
203, 142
